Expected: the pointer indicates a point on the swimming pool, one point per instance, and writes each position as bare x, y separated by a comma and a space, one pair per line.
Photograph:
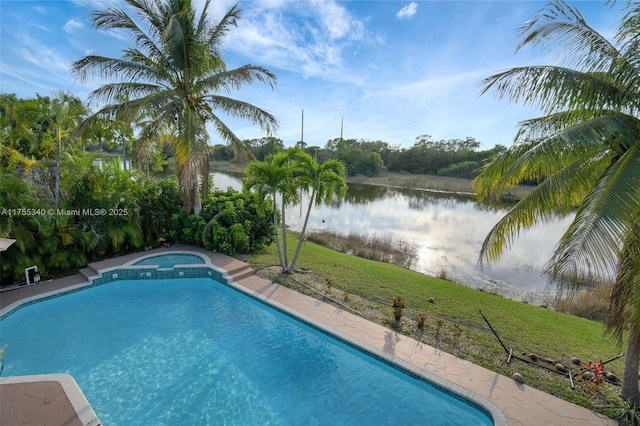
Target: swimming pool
169, 260
200, 352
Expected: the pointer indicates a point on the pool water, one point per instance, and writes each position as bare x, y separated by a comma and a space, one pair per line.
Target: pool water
198, 352
170, 260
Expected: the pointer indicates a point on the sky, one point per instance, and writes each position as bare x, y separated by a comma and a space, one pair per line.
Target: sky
388, 70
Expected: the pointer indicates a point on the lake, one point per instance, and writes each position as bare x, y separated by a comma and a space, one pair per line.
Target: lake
448, 230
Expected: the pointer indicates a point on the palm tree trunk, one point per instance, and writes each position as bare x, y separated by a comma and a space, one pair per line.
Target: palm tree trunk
629, 389
58, 166
627, 276
275, 228
197, 204
301, 239
285, 265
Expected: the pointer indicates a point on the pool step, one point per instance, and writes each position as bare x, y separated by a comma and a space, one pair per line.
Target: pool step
89, 272
242, 272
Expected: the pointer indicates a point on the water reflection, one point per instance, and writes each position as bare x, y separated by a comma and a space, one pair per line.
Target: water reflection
448, 230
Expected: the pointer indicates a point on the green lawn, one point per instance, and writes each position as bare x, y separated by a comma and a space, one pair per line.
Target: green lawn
523, 327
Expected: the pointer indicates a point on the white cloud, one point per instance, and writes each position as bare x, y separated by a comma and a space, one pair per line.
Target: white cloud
41, 55
73, 24
337, 21
408, 11
433, 86
307, 39
98, 4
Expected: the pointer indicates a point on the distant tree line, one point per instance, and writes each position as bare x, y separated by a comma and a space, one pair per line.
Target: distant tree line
451, 157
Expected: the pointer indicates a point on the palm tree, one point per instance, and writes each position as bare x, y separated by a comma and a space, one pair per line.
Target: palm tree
323, 181
62, 116
19, 133
269, 178
585, 150
174, 80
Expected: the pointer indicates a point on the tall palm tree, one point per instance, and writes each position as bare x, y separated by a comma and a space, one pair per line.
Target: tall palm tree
585, 149
273, 178
323, 181
62, 117
175, 80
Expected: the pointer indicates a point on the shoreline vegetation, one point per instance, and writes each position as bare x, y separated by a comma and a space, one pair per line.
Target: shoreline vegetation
445, 314
399, 180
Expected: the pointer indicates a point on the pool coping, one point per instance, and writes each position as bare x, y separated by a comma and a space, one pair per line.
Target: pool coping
52, 401
505, 400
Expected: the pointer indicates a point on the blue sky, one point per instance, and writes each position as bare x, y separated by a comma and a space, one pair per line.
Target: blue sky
393, 70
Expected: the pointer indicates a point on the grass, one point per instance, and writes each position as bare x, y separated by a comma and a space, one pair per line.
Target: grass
454, 323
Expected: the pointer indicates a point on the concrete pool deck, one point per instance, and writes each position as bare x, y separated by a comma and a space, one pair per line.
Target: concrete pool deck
519, 403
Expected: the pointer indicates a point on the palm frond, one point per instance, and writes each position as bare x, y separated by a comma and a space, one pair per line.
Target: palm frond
244, 110
554, 88
228, 81
530, 160
628, 34
561, 27
115, 92
579, 126
601, 223
116, 18
555, 196
216, 34
104, 67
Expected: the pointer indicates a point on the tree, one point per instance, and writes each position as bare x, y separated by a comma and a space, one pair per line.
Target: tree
62, 117
260, 148
322, 181
586, 150
18, 143
174, 80
269, 178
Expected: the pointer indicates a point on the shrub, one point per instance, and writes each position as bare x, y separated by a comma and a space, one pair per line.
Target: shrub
591, 303
422, 318
457, 333
158, 201
626, 412
231, 222
398, 306
464, 169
